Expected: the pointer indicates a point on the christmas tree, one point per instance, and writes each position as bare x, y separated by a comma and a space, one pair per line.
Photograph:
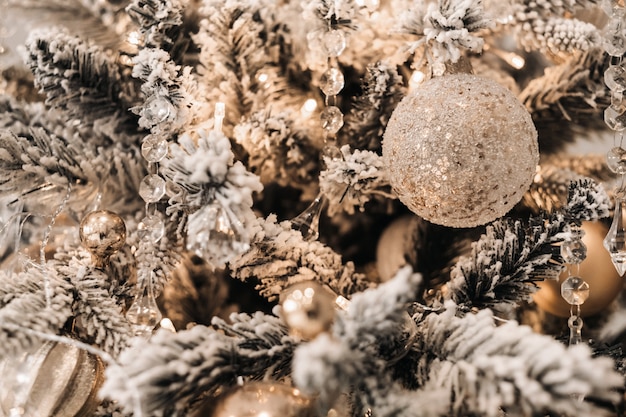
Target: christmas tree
316, 208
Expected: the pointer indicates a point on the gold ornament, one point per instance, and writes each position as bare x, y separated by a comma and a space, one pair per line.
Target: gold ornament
390, 249
102, 233
58, 380
256, 399
308, 309
597, 270
460, 150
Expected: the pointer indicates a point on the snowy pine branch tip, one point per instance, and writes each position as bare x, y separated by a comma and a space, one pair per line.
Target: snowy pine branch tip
510, 256
487, 368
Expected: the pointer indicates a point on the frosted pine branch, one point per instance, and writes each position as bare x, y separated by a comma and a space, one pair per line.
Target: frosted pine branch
329, 365
353, 180
277, 150
158, 20
165, 81
207, 170
488, 368
172, 371
366, 121
449, 28
23, 304
509, 256
80, 79
549, 189
279, 257
557, 35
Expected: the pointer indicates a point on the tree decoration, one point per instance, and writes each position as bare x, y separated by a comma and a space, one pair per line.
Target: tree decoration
266, 399
452, 165
308, 309
102, 233
56, 380
597, 270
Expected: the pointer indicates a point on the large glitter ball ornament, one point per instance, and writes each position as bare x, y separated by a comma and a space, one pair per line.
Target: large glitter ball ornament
102, 233
308, 309
460, 150
263, 399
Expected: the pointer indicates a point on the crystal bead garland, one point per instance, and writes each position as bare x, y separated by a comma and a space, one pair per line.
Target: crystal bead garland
614, 43
331, 82
574, 289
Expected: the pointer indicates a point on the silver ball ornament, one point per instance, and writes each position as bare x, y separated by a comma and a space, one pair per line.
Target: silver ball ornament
460, 150
102, 233
308, 309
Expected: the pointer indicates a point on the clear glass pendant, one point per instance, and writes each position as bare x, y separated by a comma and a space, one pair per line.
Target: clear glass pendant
144, 313
308, 221
215, 234
615, 240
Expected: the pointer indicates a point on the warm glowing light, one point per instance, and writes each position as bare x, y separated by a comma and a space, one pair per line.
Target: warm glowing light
308, 107
517, 61
262, 77
264, 414
417, 78
220, 112
134, 38
168, 325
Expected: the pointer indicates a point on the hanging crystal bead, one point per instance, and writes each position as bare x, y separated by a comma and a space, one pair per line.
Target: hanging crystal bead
332, 119
152, 188
615, 117
573, 251
616, 160
614, 37
615, 78
215, 234
613, 7
307, 222
575, 290
154, 148
333, 42
151, 228
144, 314
615, 240
158, 110
332, 81
575, 324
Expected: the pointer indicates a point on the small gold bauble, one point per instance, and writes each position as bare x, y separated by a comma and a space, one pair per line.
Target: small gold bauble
597, 270
308, 309
460, 150
390, 250
57, 380
266, 399
102, 233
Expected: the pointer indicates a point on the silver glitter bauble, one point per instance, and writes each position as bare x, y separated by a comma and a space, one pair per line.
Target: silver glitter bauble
460, 150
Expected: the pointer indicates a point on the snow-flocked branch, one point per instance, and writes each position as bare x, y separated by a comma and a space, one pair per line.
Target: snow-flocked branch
158, 21
279, 257
510, 256
486, 368
353, 180
172, 371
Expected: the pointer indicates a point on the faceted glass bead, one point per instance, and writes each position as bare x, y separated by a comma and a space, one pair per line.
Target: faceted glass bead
151, 228
575, 290
215, 234
144, 313
333, 42
332, 82
158, 110
616, 160
332, 119
614, 37
615, 240
615, 117
573, 251
152, 188
154, 148
615, 78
